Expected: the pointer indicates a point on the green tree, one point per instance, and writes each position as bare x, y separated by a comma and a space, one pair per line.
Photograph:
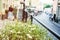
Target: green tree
47, 6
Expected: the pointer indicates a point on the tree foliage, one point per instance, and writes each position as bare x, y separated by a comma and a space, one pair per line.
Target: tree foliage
47, 6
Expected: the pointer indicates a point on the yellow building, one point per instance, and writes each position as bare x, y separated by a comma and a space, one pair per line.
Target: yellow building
0, 6
6, 3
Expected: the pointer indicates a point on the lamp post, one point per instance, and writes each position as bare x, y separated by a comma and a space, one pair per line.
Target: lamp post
24, 14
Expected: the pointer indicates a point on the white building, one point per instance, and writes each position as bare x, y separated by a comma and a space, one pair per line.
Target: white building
56, 8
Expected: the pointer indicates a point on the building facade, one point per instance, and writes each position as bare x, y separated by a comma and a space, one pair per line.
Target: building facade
56, 8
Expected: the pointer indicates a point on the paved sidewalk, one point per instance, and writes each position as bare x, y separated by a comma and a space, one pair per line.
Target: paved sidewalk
3, 23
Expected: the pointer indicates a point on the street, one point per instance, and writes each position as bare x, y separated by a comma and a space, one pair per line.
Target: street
44, 19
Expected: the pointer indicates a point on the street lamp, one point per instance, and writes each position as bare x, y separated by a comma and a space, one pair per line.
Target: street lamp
24, 15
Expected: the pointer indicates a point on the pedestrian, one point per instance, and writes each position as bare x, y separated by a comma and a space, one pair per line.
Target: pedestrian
10, 13
54, 17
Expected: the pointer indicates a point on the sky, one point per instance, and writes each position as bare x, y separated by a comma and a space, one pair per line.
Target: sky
47, 1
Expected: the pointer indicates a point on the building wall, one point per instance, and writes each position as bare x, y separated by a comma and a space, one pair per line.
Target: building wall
6, 3
54, 6
58, 13
0, 6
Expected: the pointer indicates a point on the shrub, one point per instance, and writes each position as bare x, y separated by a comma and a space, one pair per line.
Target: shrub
23, 31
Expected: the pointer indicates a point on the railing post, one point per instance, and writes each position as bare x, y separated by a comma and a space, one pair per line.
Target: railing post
31, 19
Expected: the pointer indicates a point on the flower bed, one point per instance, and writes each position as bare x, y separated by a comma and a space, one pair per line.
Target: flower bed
23, 31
